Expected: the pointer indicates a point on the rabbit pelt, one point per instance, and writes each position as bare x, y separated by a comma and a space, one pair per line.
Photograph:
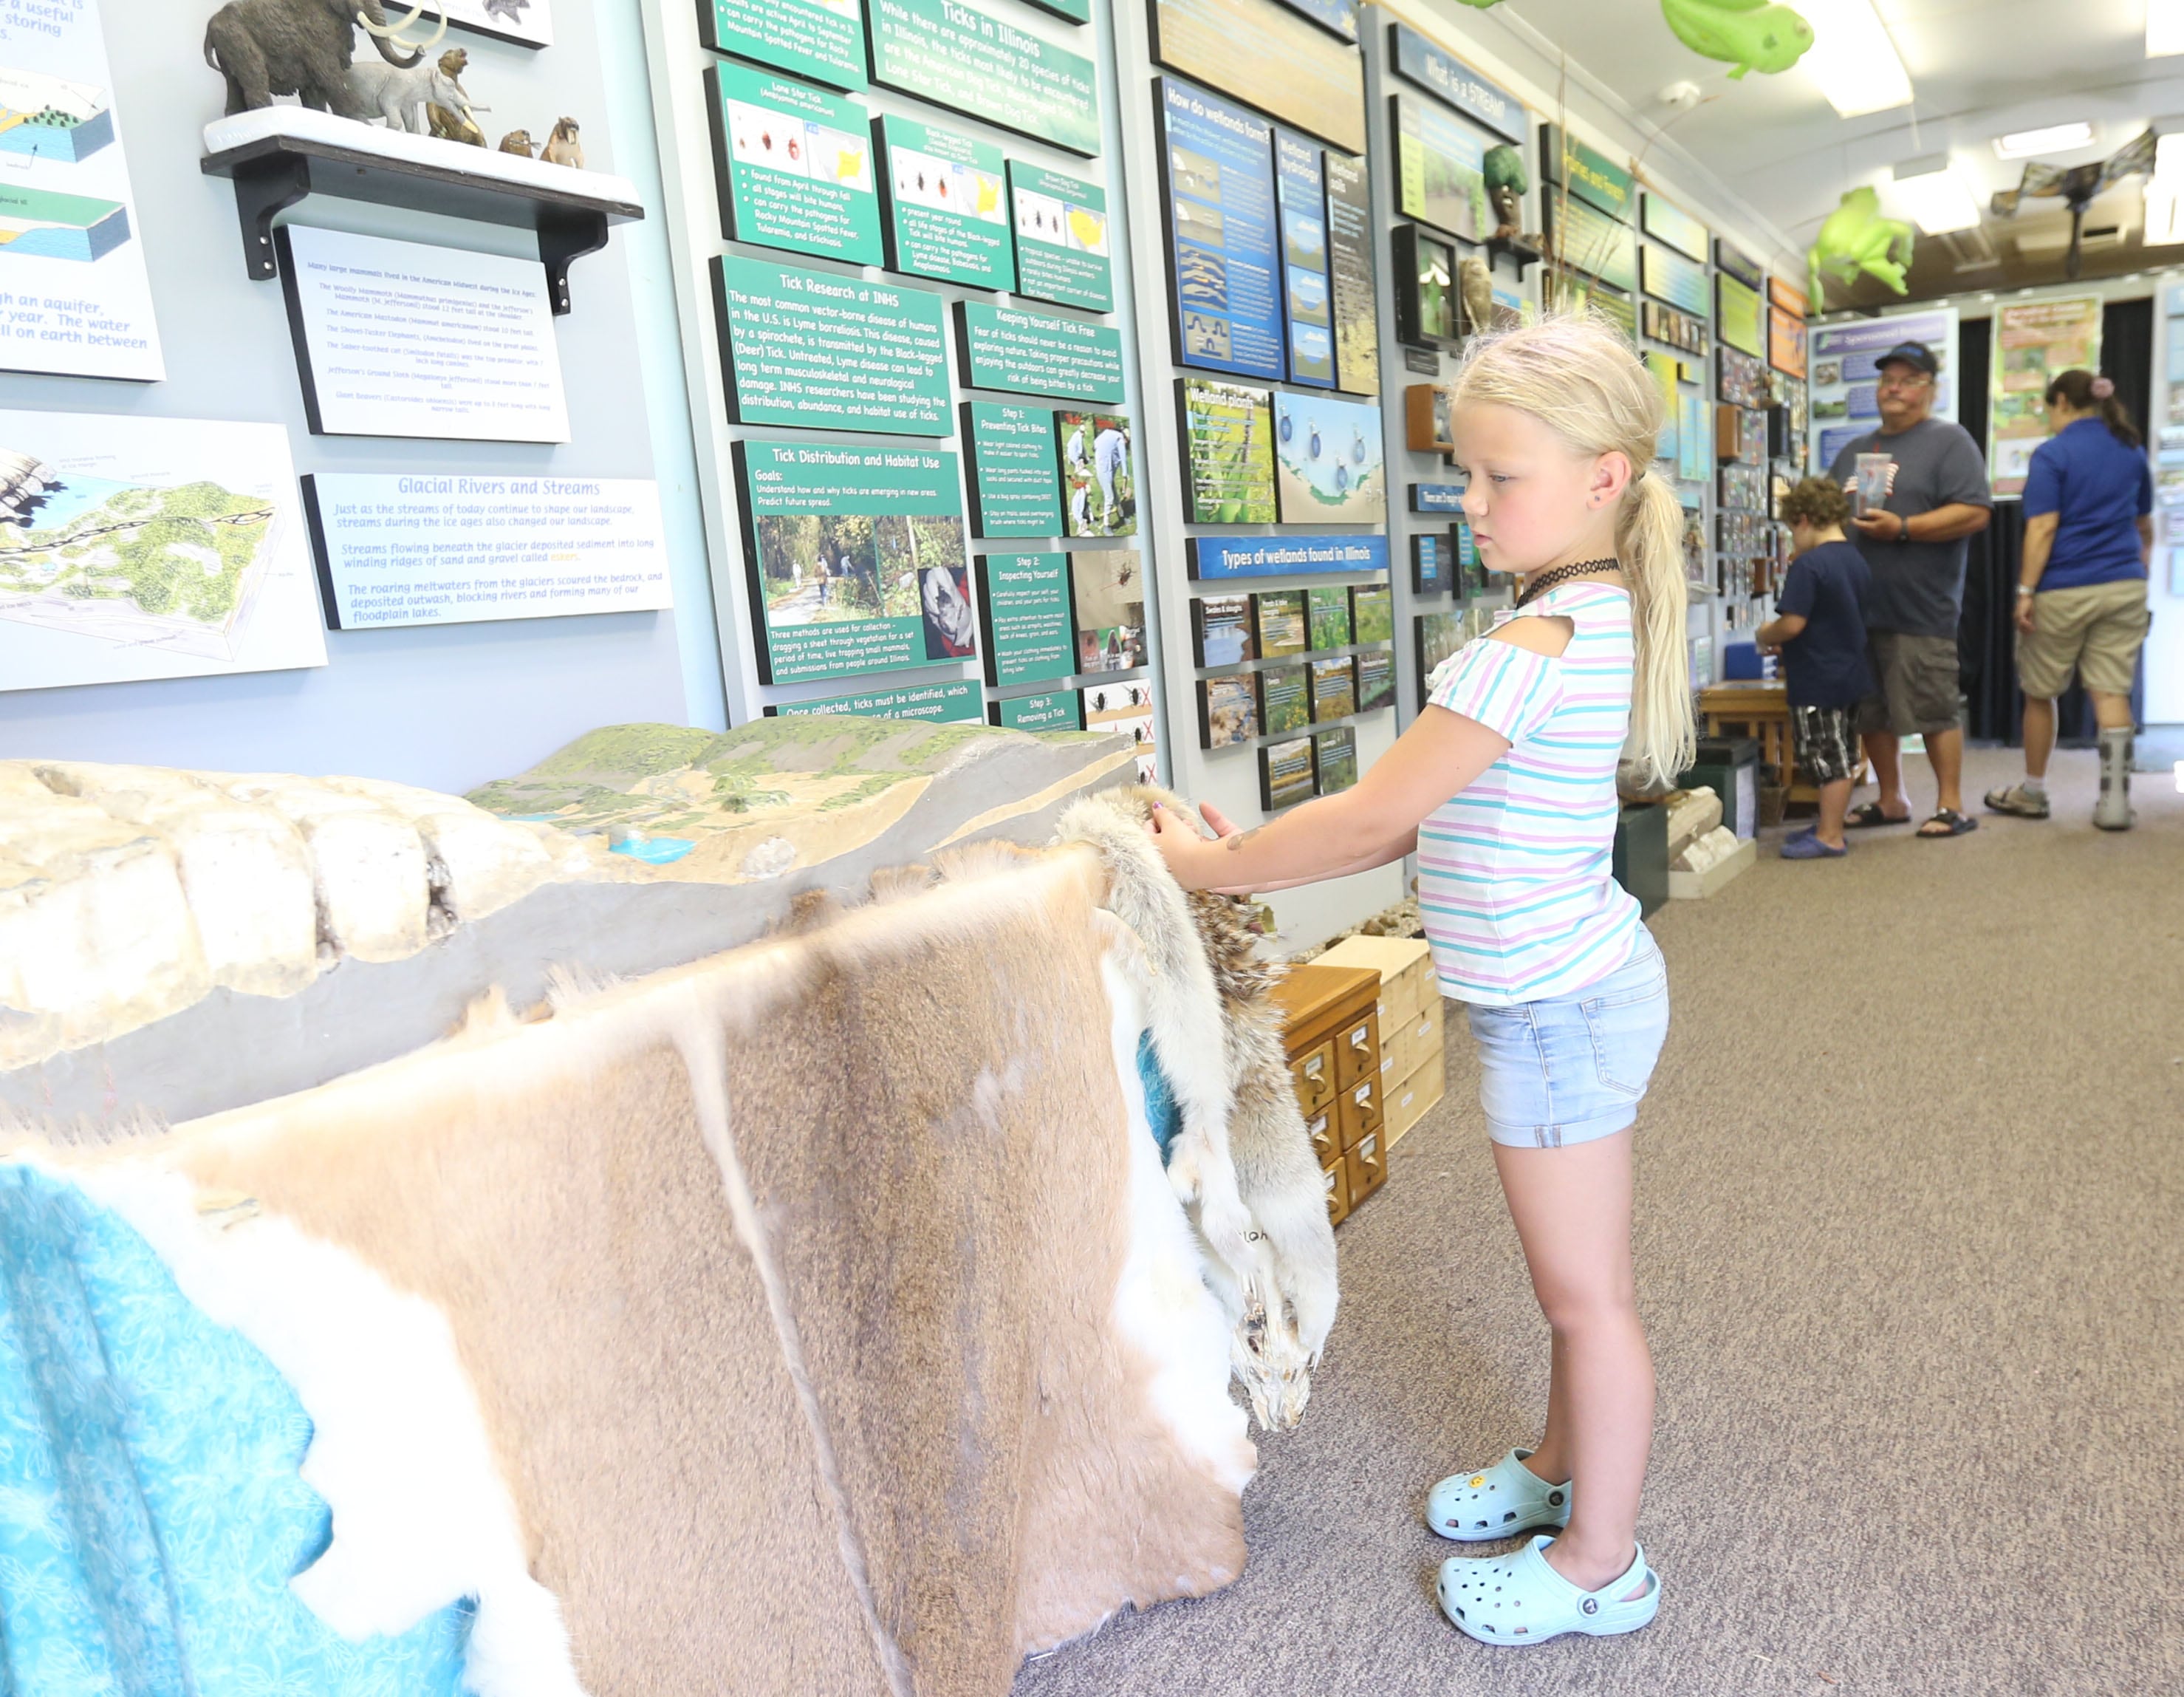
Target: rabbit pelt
1242, 1160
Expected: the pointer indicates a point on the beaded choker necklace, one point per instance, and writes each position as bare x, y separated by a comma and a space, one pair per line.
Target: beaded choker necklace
1562, 574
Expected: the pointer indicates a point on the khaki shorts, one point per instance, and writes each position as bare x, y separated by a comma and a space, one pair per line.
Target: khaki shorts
2095, 631
1918, 680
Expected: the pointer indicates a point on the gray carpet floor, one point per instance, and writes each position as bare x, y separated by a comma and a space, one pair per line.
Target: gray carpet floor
1911, 1247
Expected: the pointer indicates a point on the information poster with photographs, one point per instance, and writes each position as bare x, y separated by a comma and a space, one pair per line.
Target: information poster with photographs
72, 265
1371, 612
1301, 192
1107, 589
1438, 635
2033, 341
794, 166
946, 205
1330, 464
1015, 489
1228, 434
1440, 169
1263, 52
1228, 710
855, 558
1334, 688
1222, 632
1126, 709
1285, 699
1350, 275
809, 348
1063, 253
1376, 681
1327, 615
1285, 774
1334, 759
1099, 483
987, 65
1283, 628
1843, 374
821, 39
151, 548
1025, 613
1224, 234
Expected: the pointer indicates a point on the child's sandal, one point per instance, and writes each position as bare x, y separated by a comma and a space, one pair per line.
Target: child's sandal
1519, 1598
1506, 1499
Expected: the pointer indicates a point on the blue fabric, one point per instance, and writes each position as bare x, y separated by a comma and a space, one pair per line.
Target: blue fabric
1161, 1113
151, 1515
2098, 489
1823, 665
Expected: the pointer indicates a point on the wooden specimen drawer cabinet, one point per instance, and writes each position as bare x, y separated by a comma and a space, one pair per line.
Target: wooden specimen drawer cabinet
1332, 1036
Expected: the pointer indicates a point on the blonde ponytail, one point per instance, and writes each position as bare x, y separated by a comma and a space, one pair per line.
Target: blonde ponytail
1579, 377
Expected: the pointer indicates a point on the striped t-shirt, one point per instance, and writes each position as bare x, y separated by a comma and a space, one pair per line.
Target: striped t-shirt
1515, 884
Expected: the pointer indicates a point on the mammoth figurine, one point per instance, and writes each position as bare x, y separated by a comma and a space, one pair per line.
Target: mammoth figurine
303, 47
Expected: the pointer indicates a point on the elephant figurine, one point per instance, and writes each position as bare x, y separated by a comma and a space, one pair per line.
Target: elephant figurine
303, 47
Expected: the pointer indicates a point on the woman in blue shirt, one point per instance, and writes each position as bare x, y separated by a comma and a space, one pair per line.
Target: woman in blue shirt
2081, 589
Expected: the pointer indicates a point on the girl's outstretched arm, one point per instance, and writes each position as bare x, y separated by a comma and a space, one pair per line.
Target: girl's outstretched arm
1367, 825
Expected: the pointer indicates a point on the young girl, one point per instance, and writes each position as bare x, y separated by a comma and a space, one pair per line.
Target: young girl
1505, 788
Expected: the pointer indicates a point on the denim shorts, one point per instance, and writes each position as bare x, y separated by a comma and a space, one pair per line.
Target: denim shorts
1573, 1068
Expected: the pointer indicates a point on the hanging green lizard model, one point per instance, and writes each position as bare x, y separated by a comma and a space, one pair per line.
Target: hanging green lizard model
1857, 238
1752, 35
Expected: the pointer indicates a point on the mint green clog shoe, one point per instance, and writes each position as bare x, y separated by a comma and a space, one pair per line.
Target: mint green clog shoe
1506, 1499
1518, 1599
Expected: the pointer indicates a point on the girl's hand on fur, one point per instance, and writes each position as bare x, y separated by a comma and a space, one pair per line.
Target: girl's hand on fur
1191, 858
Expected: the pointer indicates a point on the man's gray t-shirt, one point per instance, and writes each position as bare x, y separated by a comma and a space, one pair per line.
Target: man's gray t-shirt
1919, 587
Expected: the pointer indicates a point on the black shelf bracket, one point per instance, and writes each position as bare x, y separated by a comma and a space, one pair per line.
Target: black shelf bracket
273, 173
1522, 255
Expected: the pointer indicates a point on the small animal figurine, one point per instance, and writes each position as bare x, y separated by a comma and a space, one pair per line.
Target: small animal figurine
562, 147
1476, 283
1752, 35
516, 142
1857, 238
455, 123
1506, 181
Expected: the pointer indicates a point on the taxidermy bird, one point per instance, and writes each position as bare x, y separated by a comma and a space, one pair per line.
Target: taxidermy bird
562, 147
2077, 187
1752, 35
516, 142
1857, 238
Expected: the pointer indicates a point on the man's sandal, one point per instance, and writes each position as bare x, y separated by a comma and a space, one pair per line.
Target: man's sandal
1518, 1599
1953, 825
1868, 814
2015, 800
1506, 1499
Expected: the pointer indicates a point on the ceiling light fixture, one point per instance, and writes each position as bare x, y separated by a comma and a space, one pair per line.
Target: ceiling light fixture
1854, 60
2165, 28
2056, 138
1938, 199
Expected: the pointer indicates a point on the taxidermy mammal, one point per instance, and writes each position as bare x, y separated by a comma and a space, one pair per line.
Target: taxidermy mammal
303, 47
1506, 787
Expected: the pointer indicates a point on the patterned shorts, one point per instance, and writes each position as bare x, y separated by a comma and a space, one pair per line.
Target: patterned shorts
1826, 739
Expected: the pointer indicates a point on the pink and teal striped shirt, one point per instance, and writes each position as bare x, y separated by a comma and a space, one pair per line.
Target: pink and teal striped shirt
1514, 872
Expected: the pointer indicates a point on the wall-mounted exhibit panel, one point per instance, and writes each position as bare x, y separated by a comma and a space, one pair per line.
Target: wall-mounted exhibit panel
979, 62
1440, 169
954, 702
527, 22
1228, 710
821, 39
825, 350
1107, 590
1376, 681
1098, 478
1061, 245
1733, 259
1665, 221
1736, 318
1422, 64
398, 338
1669, 277
1222, 228
79, 302
855, 558
1126, 709
1213, 558
1016, 488
1026, 616
1261, 51
1285, 774
1229, 435
1058, 709
1037, 354
1330, 461
1588, 174
1223, 630
1587, 240
152, 547
408, 549
1301, 192
1350, 272
794, 166
946, 202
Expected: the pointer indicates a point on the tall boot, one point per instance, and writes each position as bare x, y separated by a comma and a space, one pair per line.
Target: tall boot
2112, 812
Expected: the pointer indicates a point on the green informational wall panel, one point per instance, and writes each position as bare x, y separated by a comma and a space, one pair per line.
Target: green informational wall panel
1061, 238
1016, 488
1062, 710
973, 61
1024, 610
961, 700
1076, 11
821, 39
822, 351
946, 201
855, 557
1037, 354
795, 165
1589, 173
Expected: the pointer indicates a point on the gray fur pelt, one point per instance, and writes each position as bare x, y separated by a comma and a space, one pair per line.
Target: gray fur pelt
1243, 1161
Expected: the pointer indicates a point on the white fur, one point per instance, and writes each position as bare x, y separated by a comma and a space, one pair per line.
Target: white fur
1163, 1304
421, 1518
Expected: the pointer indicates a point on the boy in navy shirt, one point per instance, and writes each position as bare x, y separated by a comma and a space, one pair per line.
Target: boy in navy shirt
1819, 631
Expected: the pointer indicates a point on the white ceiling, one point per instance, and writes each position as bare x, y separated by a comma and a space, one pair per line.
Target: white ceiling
1979, 69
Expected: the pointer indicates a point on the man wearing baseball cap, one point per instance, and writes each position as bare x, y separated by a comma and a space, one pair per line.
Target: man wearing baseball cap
1925, 490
